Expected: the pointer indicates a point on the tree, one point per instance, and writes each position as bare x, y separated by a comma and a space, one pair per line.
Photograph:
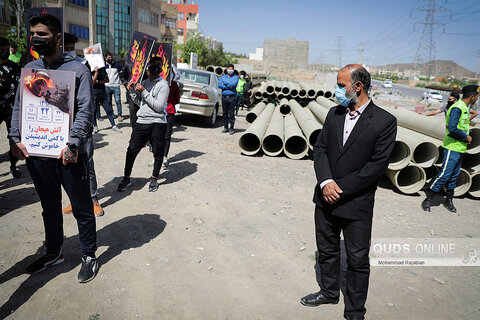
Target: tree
20, 9
206, 56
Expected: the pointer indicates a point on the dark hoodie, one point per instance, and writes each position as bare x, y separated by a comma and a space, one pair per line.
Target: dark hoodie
84, 100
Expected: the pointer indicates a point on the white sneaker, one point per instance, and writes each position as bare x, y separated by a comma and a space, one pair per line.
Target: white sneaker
95, 129
165, 162
117, 129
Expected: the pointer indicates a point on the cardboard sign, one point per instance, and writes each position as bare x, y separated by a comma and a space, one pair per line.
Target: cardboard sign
141, 59
46, 110
132, 52
164, 50
56, 12
94, 56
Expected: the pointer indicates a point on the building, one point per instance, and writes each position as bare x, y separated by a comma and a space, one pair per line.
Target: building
212, 43
114, 21
257, 55
187, 20
5, 18
289, 51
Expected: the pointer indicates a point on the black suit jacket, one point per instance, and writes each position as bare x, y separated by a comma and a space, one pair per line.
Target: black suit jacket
357, 165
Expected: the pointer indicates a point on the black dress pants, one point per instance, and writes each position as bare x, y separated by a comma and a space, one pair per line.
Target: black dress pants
48, 176
357, 235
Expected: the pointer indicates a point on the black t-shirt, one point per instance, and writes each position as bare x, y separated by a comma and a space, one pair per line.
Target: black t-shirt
102, 76
10, 76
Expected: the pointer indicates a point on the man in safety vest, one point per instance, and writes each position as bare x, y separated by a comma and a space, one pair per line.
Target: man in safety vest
454, 146
240, 89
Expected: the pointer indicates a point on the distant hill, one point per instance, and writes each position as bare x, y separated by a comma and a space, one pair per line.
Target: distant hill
444, 68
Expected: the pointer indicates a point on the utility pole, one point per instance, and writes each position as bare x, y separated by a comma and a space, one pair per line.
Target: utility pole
426, 47
338, 55
360, 57
478, 68
91, 10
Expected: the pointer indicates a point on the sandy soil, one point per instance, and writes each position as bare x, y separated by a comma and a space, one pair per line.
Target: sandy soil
225, 237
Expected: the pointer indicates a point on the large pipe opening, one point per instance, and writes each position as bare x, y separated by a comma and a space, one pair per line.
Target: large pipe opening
440, 155
219, 70
285, 91
211, 68
474, 190
296, 147
327, 94
302, 93
425, 154
272, 145
249, 143
285, 109
400, 156
430, 175
312, 139
311, 93
410, 179
294, 93
463, 183
250, 117
474, 146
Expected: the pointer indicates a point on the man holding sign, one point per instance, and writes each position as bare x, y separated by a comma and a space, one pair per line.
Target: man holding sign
70, 169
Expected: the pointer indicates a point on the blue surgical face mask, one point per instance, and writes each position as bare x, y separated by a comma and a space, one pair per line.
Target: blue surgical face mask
340, 94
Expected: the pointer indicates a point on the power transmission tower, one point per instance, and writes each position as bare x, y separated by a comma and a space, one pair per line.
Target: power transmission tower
338, 55
360, 56
426, 50
477, 72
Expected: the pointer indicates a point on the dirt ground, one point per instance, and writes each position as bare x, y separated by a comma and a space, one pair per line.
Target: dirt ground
225, 237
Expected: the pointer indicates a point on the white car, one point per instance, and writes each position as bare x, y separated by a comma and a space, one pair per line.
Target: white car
387, 83
432, 95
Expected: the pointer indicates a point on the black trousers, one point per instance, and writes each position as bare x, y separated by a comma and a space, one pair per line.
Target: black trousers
228, 108
141, 133
168, 135
48, 176
357, 235
6, 115
133, 109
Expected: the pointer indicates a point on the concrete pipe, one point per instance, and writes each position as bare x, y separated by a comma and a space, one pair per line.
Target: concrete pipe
464, 182
285, 88
284, 107
474, 146
272, 143
471, 162
325, 92
430, 174
319, 111
211, 68
219, 70
310, 89
408, 180
326, 103
271, 87
250, 141
294, 89
474, 190
255, 112
278, 86
400, 157
295, 145
440, 156
424, 148
261, 90
309, 125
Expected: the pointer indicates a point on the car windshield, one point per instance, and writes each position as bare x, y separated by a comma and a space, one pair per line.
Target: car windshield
434, 92
198, 77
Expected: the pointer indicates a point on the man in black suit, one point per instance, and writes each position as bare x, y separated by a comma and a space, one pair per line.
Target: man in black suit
351, 153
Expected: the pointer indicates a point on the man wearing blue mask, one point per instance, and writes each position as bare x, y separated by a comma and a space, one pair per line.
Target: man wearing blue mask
350, 154
228, 83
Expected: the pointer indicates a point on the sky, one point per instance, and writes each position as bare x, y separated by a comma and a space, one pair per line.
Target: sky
388, 30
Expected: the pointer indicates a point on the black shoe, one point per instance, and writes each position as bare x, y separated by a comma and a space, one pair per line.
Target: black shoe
124, 184
225, 130
449, 201
48, 260
89, 269
349, 317
153, 185
16, 173
428, 201
231, 131
316, 299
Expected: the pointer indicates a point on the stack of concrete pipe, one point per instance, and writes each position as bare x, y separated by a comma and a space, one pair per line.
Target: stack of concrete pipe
416, 158
255, 76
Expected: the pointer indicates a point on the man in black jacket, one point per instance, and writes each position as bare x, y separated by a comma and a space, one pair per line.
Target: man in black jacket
351, 153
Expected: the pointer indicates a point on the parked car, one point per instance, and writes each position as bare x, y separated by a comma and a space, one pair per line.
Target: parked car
435, 95
387, 83
200, 94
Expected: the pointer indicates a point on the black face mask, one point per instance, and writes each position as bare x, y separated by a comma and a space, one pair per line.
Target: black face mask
449, 104
43, 46
4, 55
110, 61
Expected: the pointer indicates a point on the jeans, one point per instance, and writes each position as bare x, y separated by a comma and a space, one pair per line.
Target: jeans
228, 107
101, 98
239, 101
141, 133
92, 177
48, 176
168, 135
452, 163
115, 90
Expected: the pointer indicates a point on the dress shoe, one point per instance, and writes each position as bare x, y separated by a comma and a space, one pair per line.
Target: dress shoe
349, 317
316, 299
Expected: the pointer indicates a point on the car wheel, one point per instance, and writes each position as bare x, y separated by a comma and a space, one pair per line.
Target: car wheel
213, 118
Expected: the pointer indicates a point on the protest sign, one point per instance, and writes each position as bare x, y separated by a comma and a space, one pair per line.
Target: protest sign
46, 110
56, 12
94, 56
141, 58
164, 50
